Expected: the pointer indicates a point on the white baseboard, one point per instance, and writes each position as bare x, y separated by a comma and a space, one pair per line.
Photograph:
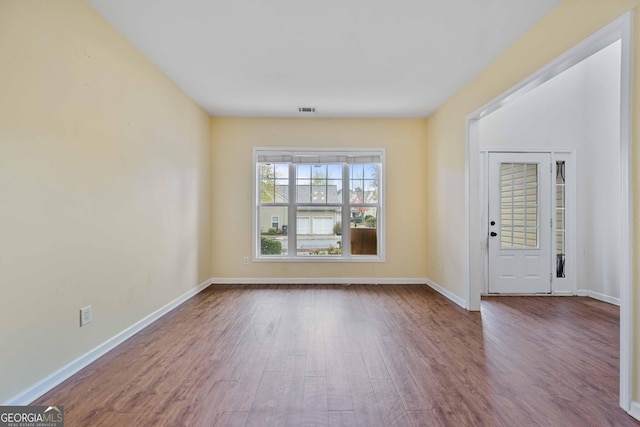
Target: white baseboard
598, 296
340, 281
634, 411
319, 281
448, 294
41, 387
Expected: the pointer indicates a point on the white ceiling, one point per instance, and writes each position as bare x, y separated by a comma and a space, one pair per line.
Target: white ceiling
348, 58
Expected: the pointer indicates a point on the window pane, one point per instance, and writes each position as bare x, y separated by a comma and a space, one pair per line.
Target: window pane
518, 238
371, 171
363, 216
370, 191
273, 229
334, 191
334, 172
560, 261
356, 171
363, 183
318, 194
560, 219
531, 237
303, 172
356, 192
531, 195
518, 216
560, 172
319, 172
506, 217
313, 183
274, 183
519, 205
319, 231
560, 196
364, 231
506, 237
517, 195
559, 242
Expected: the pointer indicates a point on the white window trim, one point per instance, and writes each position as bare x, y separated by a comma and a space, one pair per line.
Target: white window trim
292, 255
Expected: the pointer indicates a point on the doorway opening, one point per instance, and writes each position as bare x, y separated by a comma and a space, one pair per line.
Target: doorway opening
595, 210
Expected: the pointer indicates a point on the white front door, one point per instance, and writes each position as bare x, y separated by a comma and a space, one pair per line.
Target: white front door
519, 223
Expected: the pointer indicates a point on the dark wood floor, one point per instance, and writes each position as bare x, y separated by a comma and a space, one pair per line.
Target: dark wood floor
357, 356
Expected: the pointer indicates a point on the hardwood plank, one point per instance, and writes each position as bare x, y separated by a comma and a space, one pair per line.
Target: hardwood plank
412, 397
262, 411
393, 411
428, 419
315, 412
123, 419
365, 404
250, 357
291, 400
338, 390
212, 407
315, 364
231, 419
342, 419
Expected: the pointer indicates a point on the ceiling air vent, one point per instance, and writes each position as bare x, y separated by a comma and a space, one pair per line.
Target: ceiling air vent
306, 109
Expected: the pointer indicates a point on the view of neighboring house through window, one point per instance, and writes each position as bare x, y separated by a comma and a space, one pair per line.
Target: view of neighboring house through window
304, 197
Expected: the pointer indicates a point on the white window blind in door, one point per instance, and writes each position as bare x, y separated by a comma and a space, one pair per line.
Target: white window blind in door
519, 205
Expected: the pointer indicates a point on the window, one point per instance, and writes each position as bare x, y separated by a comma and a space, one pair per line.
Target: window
560, 219
304, 198
519, 206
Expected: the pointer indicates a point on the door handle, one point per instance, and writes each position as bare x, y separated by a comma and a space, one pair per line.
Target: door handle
493, 234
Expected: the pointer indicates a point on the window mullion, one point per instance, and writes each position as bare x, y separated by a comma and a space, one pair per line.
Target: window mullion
292, 231
346, 212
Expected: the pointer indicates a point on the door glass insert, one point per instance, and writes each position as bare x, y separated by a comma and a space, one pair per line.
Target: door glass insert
519, 219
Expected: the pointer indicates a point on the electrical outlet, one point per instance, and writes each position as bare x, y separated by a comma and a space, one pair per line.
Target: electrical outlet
245, 260
439, 266
85, 316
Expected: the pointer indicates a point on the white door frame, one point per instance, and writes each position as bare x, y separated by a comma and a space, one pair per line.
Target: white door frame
620, 29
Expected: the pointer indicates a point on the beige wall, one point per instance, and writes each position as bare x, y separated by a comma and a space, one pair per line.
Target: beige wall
104, 187
232, 142
570, 23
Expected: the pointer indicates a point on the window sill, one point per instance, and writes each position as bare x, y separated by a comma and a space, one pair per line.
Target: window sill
321, 259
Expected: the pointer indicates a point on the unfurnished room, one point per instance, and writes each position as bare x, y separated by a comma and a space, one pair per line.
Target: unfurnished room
295, 213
